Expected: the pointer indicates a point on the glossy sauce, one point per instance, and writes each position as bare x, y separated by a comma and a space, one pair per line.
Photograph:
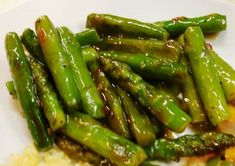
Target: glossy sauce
211, 36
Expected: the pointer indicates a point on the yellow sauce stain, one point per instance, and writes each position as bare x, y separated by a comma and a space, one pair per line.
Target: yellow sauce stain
198, 160
230, 154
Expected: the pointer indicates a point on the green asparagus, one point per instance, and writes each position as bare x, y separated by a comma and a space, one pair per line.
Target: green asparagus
87, 37
91, 99
30, 41
140, 124
168, 92
204, 75
114, 112
110, 24
47, 96
118, 150
209, 24
52, 74
191, 96
89, 54
190, 92
189, 145
56, 59
225, 73
148, 67
79, 152
26, 91
151, 47
165, 110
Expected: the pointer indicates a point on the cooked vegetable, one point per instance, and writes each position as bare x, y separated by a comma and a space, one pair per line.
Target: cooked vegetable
57, 62
89, 54
141, 127
30, 41
165, 110
87, 37
204, 75
225, 73
148, 67
91, 99
192, 97
189, 145
209, 24
168, 93
151, 47
85, 130
137, 82
79, 152
114, 111
190, 92
47, 96
110, 24
26, 92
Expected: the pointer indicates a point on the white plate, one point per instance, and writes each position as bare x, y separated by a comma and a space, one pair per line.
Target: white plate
14, 135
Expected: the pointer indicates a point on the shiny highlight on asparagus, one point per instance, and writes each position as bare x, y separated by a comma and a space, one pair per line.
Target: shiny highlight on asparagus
26, 91
165, 110
91, 99
189, 145
117, 149
57, 62
110, 24
209, 24
205, 76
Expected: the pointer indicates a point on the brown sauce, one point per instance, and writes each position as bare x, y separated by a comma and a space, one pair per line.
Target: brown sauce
211, 36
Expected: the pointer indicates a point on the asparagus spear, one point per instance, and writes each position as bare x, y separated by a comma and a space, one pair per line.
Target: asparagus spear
189, 145
11, 89
169, 92
87, 37
225, 73
151, 47
79, 152
30, 41
204, 75
57, 62
118, 150
89, 54
209, 24
110, 24
192, 97
48, 98
165, 110
148, 67
140, 124
190, 91
114, 112
91, 99
26, 91
52, 109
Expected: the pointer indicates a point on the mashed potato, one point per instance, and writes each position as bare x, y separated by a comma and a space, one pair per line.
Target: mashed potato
52, 157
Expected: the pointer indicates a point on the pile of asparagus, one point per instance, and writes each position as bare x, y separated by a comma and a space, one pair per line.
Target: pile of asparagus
107, 95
